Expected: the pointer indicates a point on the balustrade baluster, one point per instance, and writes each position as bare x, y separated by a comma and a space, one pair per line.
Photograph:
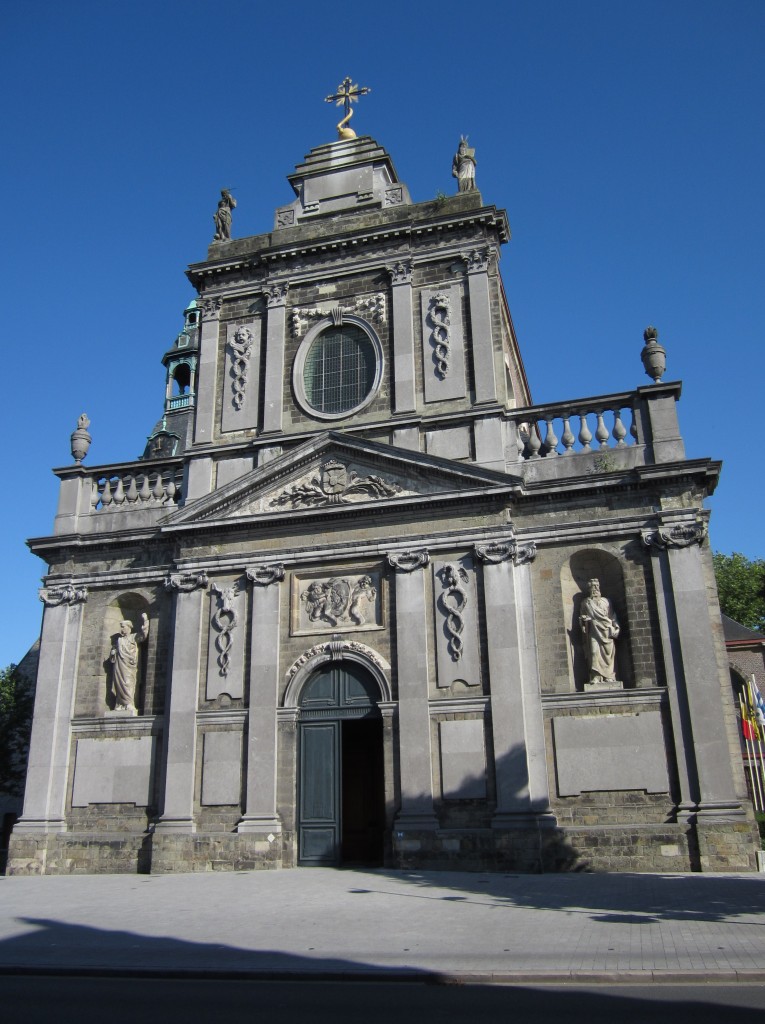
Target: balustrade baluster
145, 493
584, 432
551, 441
620, 431
602, 432
633, 425
106, 493
119, 492
534, 442
567, 438
158, 491
95, 494
170, 490
132, 492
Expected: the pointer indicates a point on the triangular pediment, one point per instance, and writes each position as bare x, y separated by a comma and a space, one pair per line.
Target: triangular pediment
333, 472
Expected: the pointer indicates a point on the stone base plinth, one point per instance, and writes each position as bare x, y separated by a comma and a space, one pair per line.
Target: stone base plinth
218, 851
79, 853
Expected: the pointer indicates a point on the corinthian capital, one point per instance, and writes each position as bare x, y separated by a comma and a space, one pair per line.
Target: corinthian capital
276, 294
211, 308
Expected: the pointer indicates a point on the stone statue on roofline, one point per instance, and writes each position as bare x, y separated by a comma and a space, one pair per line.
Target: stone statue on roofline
222, 216
463, 166
600, 630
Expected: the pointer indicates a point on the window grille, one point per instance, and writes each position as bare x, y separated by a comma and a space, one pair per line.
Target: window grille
339, 370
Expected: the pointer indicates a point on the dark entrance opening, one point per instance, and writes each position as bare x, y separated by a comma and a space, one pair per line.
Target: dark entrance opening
363, 799
341, 792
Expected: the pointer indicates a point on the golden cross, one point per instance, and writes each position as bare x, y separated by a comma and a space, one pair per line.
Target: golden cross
347, 94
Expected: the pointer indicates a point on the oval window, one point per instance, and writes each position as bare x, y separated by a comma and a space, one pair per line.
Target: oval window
340, 370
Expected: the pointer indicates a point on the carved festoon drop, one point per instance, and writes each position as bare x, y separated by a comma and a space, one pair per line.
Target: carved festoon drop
373, 307
241, 350
439, 318
225, 621
453, 602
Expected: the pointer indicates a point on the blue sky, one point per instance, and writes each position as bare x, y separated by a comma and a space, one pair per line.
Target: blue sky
625, 141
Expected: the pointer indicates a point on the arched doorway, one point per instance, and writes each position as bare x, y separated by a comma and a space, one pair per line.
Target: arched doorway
341, 803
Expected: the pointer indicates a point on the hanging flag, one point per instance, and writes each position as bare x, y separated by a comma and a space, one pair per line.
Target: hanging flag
758, 702
749, 722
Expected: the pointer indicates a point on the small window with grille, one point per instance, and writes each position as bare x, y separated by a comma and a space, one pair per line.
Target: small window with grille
338, 371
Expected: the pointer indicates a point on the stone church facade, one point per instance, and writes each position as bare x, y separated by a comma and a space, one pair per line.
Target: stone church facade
341, 611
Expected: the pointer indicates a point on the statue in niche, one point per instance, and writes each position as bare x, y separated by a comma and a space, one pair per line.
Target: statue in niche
600, 630
222, 216
124, 659
463, 166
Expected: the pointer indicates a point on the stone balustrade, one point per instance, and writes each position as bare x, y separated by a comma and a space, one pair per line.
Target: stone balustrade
588, 425
137, 485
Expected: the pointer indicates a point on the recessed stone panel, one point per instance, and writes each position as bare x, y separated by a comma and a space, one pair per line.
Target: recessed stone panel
222, 768
463, 760
347, 601
610, 753
113, 771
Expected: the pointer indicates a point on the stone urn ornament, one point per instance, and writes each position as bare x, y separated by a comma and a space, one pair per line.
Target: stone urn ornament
653, 355
81, 438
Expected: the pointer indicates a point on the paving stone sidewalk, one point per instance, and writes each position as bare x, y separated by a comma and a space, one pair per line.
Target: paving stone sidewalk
421, 925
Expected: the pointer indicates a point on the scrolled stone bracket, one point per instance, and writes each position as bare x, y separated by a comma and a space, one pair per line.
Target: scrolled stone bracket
67, 594
265, 575
186, 582
683, 535
408, 561
496, 552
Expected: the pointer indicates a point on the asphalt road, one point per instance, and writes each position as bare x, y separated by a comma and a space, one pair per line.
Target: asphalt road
94, 1000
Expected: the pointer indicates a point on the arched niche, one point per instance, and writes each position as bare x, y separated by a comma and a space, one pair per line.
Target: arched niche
581, 567
130, 606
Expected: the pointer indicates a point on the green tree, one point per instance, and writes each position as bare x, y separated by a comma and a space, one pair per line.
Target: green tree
741, 586
16, 703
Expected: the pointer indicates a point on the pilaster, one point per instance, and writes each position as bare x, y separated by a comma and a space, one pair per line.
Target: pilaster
207, 388
403, 337
484, 377
276, 298
48, 765
260, 804
516, 711
692, 668
416, 812
181, 729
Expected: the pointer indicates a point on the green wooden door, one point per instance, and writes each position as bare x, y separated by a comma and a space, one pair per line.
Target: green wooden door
339, 695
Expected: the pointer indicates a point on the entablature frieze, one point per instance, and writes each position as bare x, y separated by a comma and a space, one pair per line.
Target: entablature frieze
655, 696
434, 230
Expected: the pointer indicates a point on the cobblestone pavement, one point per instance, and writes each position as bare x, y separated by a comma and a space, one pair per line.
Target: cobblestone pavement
445, 924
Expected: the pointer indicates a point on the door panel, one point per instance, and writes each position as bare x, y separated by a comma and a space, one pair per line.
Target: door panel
319, 811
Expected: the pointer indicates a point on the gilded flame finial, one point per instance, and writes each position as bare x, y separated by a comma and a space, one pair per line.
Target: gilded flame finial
346, 94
